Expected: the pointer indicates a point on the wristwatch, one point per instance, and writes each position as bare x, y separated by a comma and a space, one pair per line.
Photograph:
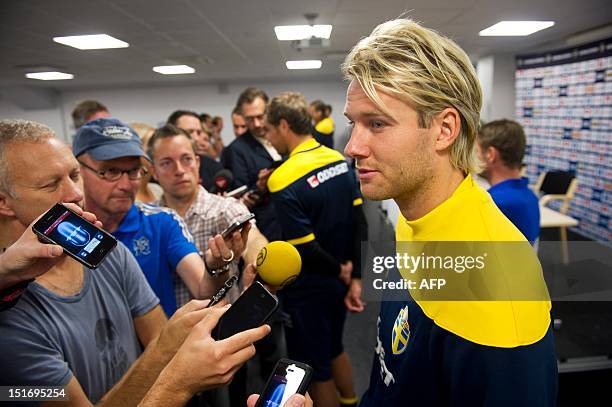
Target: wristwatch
217, 271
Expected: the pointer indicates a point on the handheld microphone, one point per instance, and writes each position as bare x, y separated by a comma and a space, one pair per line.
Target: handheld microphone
223, 180
279, 263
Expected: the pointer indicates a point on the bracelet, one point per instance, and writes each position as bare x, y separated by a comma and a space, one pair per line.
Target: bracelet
9, 296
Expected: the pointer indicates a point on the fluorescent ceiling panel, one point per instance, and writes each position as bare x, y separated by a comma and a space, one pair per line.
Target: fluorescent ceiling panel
515, 28
97, 41
302, 32
173, 69
49, 76
305, 64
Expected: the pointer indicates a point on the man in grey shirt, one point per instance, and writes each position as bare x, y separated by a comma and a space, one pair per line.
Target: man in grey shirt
89, 335
81, 328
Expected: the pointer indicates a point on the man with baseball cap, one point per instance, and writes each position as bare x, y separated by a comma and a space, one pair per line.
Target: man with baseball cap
110, 155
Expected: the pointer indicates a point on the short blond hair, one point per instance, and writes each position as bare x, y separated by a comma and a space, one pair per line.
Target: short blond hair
425, 69
18, 132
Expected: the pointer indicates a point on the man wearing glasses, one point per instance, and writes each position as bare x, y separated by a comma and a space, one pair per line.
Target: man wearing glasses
110, 155
249, 158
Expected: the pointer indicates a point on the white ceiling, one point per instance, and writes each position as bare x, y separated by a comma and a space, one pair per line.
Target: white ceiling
234, 39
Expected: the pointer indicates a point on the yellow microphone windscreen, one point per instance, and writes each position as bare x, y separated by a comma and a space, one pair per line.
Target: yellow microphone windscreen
279, 263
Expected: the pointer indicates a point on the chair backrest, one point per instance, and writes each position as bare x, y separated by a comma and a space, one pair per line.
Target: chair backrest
556, 186
556, 182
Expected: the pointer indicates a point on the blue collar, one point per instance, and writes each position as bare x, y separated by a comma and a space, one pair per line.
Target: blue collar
514, 183
131, 221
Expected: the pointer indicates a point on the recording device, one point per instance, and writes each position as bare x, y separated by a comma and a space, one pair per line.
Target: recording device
219, 295
81, 240
279, 263
250, 310
237, 224
288, 378
255, 193
223, 180
235, 193
275, 164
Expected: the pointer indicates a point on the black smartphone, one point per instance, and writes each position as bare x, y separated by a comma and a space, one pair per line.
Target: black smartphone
80, 239
237, 224
288, 378
250, 310
219, 295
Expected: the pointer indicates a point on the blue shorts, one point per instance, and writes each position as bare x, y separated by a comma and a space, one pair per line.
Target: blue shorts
317, 323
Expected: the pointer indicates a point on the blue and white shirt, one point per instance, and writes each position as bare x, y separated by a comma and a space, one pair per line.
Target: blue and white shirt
159, 239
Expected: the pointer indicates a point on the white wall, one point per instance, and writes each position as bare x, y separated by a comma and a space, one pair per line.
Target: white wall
496, 75
152, 105
51, 117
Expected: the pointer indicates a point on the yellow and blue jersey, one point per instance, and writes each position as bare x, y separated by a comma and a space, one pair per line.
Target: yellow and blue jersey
472, 353
324, 132
314, 192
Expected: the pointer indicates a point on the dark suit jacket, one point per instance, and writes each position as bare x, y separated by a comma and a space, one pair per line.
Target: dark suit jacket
208, 169
244, 157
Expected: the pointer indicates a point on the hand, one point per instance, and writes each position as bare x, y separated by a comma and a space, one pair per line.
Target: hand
28, 258
178, 327
250, 200
220, 249
262, 179
353, 301
346, 269
203, 363
297, 400
249, 274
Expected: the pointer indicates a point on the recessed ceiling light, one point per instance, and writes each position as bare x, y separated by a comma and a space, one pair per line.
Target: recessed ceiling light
96, 41
305, 64
49, 76
302, 32
173, 69
515, 28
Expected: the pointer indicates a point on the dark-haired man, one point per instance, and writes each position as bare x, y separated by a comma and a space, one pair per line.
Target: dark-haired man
501, 148
251, 153
318, 205
190, 122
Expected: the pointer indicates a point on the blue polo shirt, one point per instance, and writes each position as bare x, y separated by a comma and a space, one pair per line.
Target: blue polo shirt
159, 239
514, 198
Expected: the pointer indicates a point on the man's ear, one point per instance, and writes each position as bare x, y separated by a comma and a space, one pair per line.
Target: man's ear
492, 155
5, 209
283, 125
447, 124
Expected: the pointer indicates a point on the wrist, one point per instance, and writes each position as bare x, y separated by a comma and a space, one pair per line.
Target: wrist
169, 388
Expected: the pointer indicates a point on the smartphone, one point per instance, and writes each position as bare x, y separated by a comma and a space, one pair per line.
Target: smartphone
288, 378
237, 224
80, 239
250, 310
219, 295
237, 192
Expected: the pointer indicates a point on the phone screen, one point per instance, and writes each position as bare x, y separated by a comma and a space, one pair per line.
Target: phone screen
83, 240
288, 378
249, 311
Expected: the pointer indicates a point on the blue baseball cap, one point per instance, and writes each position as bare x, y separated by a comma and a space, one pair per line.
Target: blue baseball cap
107, 139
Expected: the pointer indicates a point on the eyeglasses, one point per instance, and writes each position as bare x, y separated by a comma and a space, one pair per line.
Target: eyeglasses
251, 119
114, 174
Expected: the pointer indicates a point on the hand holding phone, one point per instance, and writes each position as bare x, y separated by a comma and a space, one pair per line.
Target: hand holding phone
250, 310
288, 378
80, 239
